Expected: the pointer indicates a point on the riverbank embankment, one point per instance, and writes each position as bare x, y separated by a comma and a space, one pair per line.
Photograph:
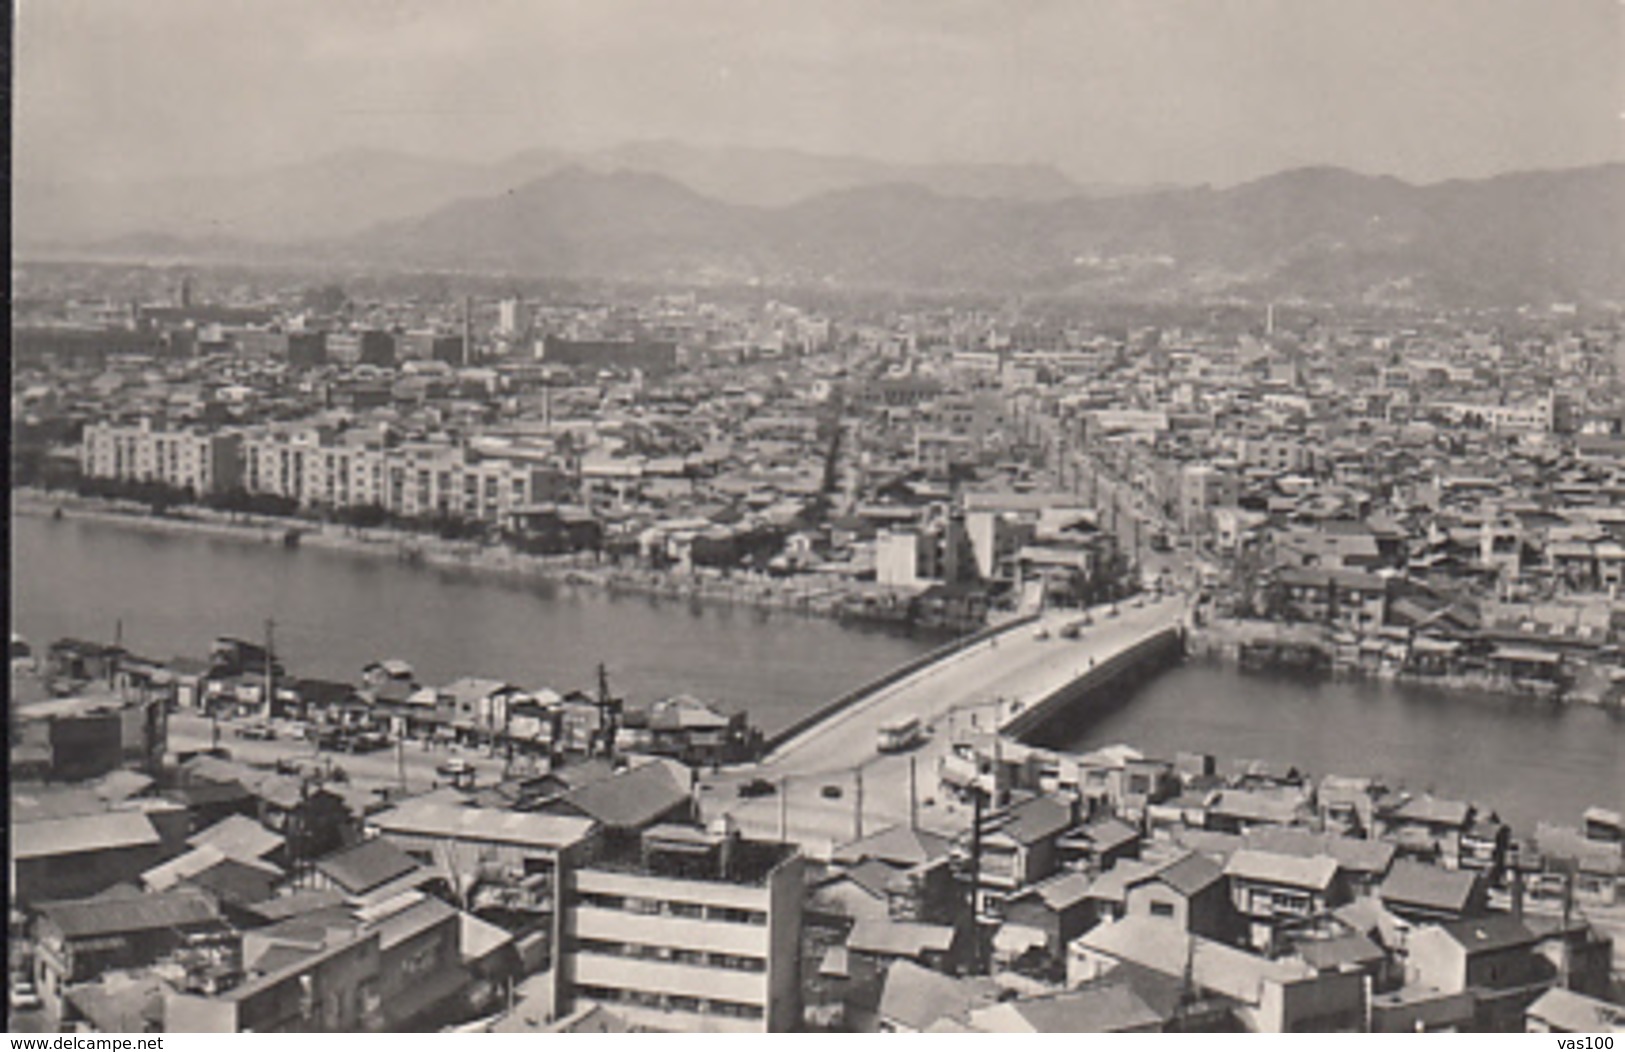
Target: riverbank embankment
1308, 648
821, 598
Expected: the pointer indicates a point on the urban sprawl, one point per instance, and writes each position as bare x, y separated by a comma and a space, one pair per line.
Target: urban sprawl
218, 843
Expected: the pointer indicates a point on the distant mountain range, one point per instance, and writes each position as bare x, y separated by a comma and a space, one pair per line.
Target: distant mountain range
347, 192
1320, 234
670, 213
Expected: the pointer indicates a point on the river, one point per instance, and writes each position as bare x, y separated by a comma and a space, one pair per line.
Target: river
1524, 759
336, 611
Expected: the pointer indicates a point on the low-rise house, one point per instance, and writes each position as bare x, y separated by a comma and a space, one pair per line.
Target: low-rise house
914, 997
1363, 863
1059, 908
71, 856
1238, 810
1019, 847
1596, 868
1099, 845
1484, 846
420, 966
370, 871
858, 892
1560, 1011
1428, 827
874, 945
1103, 1007
80, 939
326, 983
1108, 893
235, 883
1275, 891
1191, 891
1491, 958
1351, 952
241, 838
1266, 996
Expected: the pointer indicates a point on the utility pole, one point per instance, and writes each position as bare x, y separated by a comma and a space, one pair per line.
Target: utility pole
784, 809
857, 804
913, 795
977, 799
270, 666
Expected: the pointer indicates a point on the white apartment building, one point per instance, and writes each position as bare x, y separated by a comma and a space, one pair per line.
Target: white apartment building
207, 463
689, 930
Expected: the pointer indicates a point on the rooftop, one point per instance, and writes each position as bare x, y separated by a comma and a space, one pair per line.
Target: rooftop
1416, 884
78, 834
441, 820
86, 918
1316, 872
365, 866
684, 852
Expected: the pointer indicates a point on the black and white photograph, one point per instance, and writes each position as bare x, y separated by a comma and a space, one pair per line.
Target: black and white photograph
817, 516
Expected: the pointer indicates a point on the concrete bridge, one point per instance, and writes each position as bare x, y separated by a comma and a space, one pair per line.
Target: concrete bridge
830, 779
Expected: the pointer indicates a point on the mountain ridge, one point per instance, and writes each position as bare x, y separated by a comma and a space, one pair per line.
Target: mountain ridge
1318, 232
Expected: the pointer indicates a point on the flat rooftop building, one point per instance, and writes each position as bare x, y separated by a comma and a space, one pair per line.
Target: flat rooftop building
689, 930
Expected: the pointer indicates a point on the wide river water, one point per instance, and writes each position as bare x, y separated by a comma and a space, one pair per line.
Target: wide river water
336, 611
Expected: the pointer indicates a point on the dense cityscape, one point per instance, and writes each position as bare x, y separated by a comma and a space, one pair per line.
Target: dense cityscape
1434, 499
953, 518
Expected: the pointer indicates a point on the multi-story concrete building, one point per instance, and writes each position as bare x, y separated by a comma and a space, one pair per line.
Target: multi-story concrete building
205, 462
690, 930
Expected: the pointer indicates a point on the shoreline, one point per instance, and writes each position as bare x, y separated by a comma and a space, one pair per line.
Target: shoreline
1221, 641
497, 561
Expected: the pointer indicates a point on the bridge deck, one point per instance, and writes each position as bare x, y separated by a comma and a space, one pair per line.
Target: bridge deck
1014, 666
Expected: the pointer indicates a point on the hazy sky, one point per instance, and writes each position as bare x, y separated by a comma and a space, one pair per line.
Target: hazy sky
1110, 90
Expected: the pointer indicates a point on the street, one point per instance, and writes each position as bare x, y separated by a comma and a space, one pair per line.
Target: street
978, 687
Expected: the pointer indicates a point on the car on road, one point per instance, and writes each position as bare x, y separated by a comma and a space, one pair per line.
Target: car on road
756, 787
830, 792
332, 738
259, 732
22, 996
1042, 633
367, 741
1073, 630
456, 770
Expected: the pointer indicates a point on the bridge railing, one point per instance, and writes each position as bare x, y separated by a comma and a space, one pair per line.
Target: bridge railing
896, 675
1100, 675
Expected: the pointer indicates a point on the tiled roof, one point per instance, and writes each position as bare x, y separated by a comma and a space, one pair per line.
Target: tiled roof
238, 837
1190, 874
889, 938
365, 866
915, 997
1104, 1008
1416, 884
631, 800
1577, 1013
898, 845
1267, 866
83, 918
82, 833
1488, 934
1032, 821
